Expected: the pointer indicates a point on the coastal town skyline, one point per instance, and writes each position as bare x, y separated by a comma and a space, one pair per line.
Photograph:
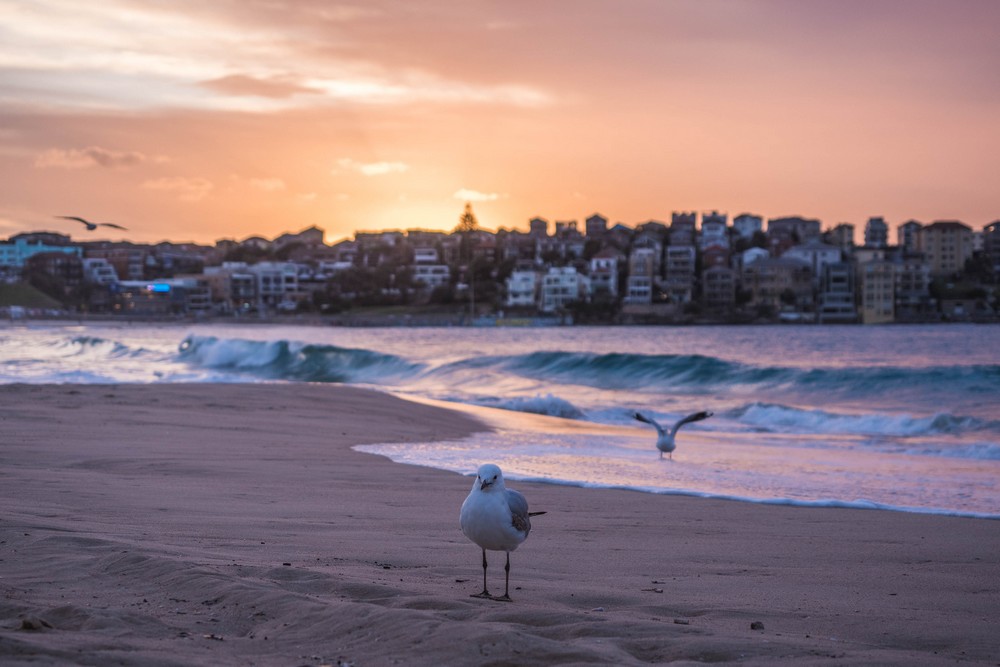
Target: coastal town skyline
196, 122
70, 226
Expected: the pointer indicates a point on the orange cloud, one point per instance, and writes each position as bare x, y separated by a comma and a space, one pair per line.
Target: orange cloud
373, 168
187, 189
268, 184
92, 156
474, 195
242, 85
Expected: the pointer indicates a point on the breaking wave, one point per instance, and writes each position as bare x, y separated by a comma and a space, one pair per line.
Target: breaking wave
786, 419
288, 360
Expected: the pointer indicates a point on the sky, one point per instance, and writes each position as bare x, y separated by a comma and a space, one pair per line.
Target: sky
188, 120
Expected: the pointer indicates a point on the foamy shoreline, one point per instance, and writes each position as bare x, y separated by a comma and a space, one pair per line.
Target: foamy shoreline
233, 524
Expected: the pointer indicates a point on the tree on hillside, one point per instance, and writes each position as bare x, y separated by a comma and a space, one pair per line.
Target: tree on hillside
467, 224
467, 221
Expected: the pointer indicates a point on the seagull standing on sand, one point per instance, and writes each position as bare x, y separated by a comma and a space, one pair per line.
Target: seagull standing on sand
665, 440
495, 518
91, 226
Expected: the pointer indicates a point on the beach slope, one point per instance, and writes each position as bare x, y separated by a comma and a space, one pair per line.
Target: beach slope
233, 525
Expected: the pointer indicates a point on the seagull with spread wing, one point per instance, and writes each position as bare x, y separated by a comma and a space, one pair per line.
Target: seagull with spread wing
665, 436
91, 226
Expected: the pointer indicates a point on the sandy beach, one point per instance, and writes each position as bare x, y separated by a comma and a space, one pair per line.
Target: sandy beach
233, 525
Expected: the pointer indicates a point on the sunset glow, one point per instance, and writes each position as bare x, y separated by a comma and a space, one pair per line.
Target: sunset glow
195, 121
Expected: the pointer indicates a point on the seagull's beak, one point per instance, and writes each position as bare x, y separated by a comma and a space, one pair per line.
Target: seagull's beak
486, 483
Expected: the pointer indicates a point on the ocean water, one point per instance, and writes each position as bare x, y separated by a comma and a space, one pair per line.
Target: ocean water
897, 417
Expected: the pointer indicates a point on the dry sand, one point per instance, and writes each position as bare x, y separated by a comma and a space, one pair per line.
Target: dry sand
233, 525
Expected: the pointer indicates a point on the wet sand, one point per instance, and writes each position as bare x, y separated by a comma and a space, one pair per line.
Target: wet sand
233, 525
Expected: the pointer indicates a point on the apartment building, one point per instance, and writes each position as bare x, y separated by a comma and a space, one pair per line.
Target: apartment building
816, 254
604, 273
836, 294
714, 231
772, 279
876, 233
877, 288
748, 224
561, 286
678, 274
641, 271
522, 289
718, 284
946, 245
908, 236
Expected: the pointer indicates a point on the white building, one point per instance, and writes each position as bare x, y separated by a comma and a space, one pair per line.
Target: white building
816, 254
641, 269
679, 274
751, 255
425, 255
431, 275
604, 272
329, 268
746, 224
98, 271
562, 285
522, 289
277, 282
714, 231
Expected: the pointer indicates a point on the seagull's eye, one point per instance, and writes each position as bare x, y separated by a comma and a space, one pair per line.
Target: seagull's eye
494, 478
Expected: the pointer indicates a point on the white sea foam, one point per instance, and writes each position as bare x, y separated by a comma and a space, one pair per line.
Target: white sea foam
548, 404
785, 419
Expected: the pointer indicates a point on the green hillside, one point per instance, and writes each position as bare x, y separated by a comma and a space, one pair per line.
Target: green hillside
25, 296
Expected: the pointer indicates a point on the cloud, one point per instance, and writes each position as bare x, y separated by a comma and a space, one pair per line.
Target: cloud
268, 184
387, 86
92, 156
373, 168
242, 85
474, 195
132, 55
187, 189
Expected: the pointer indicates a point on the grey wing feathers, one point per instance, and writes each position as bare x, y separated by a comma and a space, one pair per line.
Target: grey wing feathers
643, 418
697, 416
519, 510
517, 502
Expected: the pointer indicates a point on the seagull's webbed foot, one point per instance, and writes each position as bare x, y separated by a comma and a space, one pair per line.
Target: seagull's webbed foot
503, 598
485, 594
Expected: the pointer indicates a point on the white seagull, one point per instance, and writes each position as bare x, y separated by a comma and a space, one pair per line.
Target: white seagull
495, 518
91, 226
665, 440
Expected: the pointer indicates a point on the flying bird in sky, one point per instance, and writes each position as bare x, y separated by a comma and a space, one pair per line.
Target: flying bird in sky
91, 226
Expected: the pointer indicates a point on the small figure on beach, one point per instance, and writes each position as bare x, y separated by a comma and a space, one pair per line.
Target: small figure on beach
495, 518
665, 439
91, 226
